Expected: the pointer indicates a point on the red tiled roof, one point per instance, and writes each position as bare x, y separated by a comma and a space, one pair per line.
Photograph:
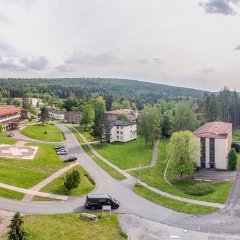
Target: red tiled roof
122, 111
214, 130
8, 110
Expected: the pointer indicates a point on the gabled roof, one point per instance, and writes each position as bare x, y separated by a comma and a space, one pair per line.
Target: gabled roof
8, 110
123, 123
214, 130
122, 111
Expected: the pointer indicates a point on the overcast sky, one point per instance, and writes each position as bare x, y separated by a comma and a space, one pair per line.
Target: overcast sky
192, 43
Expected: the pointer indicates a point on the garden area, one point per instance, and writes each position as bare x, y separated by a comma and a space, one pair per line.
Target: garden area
154, 176
71, 226
126, 155
47, 132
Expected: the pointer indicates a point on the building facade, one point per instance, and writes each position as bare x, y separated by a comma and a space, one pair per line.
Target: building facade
216, 141
113, 115
56, 114
73, 117
123, 131
10, 118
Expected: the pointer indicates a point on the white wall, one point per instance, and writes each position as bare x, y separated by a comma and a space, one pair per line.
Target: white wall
123, 134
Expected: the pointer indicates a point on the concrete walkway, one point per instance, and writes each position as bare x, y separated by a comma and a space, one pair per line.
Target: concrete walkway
131, 181
32, 192
46, 181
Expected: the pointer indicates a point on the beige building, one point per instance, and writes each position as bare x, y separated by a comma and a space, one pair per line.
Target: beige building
73, 117
216, 140
123, 131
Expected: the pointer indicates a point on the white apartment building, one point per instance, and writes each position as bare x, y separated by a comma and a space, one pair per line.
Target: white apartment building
216, 140
56, 114
123, 131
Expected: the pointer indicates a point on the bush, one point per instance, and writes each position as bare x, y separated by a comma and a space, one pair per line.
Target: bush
236, 146
232, 159
90, 178
200, 189
72, 180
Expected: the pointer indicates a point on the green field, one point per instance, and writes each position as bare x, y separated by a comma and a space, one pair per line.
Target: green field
85, 133
27, 173
71, 226
153, 176
8, 141
126, 155
10, 194
57, 185
53, 133
173, 204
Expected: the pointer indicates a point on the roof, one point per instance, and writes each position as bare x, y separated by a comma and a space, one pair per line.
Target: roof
214, 130
122, 111
98, 196
124, 123
8, 110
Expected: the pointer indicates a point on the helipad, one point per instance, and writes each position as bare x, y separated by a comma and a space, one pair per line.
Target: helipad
21, 152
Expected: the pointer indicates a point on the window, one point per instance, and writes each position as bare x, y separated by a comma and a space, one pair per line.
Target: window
117, 132
121, 127
121, 132
212, 152
203, 153
117, 137
117, 127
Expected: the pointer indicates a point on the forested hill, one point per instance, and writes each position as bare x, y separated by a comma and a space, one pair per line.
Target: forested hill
85, 86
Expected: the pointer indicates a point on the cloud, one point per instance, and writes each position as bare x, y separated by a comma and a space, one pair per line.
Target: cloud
23, 63
91, 58
224, 7
158, 60
34, 63
237, 47
64, 68
207, 70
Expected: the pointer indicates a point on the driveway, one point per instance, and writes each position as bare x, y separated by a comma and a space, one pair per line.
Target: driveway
221, 222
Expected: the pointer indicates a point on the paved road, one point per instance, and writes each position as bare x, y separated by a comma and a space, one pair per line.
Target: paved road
221, 222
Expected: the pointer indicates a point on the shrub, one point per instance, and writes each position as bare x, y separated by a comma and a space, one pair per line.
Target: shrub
232, 159
236, 146
200, 189
72, 180
90, 178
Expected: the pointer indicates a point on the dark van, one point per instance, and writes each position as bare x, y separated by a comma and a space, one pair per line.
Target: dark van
96, 201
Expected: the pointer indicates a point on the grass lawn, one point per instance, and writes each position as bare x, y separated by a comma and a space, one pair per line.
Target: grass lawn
153, 176
7, 141
3, 134
10, 194
85, 132
27, 173
57, 185
126, 155
236, 135
71, 226
80, 140
37, 131
173, 204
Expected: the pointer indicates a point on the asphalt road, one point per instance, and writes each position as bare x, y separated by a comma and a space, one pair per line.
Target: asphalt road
225, 222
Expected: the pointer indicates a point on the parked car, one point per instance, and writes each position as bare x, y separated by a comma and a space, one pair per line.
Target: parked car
62, 152
10, 134
96, 201
70, 159
59, 148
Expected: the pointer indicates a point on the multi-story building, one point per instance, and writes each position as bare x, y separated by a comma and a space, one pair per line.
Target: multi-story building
123, 131
113, 115
56, 114
216, 140
10, 118
73, 117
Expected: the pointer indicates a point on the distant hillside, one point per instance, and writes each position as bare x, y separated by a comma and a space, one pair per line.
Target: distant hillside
96, 86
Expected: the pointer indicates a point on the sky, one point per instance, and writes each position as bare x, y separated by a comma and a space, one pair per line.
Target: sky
181, 43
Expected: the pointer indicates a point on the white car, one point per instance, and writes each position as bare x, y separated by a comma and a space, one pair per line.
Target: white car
62, 152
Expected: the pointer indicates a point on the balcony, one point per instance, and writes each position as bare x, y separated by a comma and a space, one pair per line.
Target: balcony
10, 118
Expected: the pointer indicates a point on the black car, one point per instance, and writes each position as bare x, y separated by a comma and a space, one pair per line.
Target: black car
71, 159
96, 201
59, 148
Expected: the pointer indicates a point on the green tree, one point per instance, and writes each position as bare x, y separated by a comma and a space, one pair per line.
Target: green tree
1, 128
123, 117
16, 228
99, 117
149, 124
183, 151
166, 125
44, 115
71, 103
88, 114
184, 118
232, 159
72, 180
126, 104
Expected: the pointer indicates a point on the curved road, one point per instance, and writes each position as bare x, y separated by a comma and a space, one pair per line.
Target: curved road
225, 222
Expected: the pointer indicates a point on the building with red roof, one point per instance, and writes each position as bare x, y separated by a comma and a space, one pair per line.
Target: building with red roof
216, 140
10, 117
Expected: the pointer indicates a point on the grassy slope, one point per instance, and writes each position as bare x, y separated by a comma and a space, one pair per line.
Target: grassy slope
70, 226
126, 155
80, 140
7, 141
26, 173
85, 133
11, 194
37, 131
57, 185
173, 204
154, 177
